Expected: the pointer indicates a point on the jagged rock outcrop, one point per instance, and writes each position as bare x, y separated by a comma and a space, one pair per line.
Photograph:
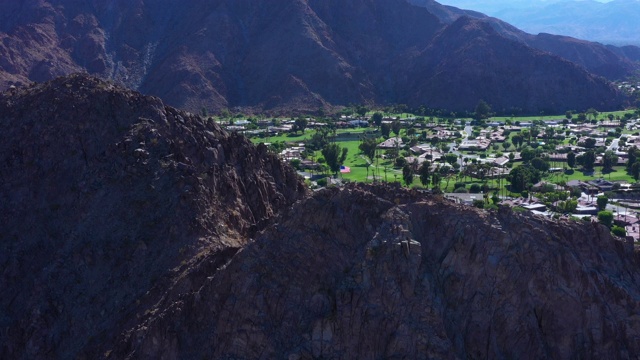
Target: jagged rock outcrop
318, 54
375, 272
107, 200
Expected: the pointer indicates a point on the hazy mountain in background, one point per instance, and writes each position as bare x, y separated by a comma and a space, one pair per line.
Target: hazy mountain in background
304, 55
614, 22
491, 6
608, 61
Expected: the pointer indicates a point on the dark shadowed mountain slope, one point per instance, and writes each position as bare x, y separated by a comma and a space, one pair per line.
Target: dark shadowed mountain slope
631, 52
283, 55
609, 61
107, 196
537, 80
447, 14
216, 54
371, 273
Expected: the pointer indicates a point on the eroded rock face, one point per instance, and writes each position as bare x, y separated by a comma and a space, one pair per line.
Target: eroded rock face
374, 272
107, 199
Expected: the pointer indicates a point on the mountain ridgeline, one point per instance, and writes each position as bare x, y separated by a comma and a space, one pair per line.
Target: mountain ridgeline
614, 63
612, 22
107, 199
306, 55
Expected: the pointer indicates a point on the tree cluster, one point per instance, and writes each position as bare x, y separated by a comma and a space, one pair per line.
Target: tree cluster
335, 156
523, 177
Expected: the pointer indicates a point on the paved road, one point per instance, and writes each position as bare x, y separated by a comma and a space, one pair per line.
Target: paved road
614, 145
469, 130
616, 209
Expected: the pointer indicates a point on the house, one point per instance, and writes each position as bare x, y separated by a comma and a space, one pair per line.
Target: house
535, 207
432, 155
309, 164
610, 124
516, 156
241, 122
422, 148
558, 157
464, 198
601, 184
358, 123
567, 148
497, 136
291, 153
544, 185
415, 160
390, 143
478, 144
585, 187
263, 123
513, 128
586, 210
501, 161
633, 140
443, 134
315, 124
581, 129
598, 141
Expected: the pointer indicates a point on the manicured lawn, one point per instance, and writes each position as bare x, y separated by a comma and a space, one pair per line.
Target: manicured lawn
619, 174
553, 117
358, 165
354, 161
524, 118
299, 137
284, 137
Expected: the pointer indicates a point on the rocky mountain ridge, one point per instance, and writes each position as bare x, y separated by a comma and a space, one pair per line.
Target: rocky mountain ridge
106, 196
129, 229
317, 54
375, 272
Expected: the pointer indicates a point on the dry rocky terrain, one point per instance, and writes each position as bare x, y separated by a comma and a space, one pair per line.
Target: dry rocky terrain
129, 229
107, 200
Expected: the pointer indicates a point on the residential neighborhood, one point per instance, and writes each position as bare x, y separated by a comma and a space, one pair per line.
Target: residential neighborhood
552, 166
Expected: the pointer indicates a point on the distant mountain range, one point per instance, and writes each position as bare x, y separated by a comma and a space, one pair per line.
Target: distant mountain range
615, 22
492, 6
306, 55
608, 61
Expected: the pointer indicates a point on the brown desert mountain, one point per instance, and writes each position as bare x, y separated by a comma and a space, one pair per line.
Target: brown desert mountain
303, 55
107, 199
131, 230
